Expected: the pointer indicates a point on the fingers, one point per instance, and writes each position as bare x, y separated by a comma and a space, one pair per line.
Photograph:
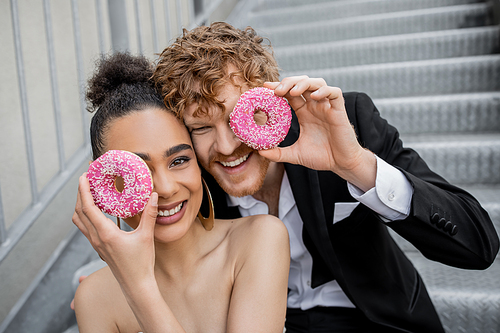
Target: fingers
90, 220
78, 214
300, 90
297, 85
271, 85
332, 94
86, 199
276, 154
148, 217
91, 216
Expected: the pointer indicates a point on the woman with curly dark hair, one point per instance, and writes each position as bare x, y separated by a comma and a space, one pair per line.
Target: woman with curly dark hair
171, 273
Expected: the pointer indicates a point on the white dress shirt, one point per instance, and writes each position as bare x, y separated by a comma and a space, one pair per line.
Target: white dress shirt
390, 198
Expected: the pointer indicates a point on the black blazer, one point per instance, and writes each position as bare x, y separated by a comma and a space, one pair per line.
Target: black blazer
445, 223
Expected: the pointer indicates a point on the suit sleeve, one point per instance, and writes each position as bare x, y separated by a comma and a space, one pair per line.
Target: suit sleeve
445, 222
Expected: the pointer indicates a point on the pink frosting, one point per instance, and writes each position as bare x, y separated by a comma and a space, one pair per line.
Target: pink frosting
279, 118
137, 178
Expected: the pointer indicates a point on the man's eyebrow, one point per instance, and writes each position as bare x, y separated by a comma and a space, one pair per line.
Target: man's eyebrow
195, 122
169, 152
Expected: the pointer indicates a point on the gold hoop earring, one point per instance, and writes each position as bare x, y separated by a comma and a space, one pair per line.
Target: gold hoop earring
208, 223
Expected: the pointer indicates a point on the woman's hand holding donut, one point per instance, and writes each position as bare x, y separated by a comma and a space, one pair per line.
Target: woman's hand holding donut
327, 139
130, 255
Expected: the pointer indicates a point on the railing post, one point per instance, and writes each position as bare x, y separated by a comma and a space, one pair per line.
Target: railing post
3, 230
153, 26
24, 100
54, 86
167, 20
118, 24
79, 65
138, 26
100, 26
178, 7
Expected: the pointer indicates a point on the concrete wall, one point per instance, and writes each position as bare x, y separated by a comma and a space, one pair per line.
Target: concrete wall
33, 250
50, 250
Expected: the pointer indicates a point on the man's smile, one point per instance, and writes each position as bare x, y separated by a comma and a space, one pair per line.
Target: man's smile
236, 162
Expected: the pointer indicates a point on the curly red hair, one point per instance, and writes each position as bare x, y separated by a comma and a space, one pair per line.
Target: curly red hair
195, 66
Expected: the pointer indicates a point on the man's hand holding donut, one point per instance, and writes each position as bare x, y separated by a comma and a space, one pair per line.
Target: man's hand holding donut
327, 139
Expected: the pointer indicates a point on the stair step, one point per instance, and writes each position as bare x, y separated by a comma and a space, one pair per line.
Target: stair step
460, 113
339, 10
409, 47
466, 300
279, 4
416, 78
460, 159
489, 197
433, 19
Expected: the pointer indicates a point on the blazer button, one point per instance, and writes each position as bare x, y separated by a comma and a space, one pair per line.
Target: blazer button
448, 226
454, 230
441, 222
435, 218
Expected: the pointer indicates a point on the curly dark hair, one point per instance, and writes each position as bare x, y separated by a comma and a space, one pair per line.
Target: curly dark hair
195, 66
121, 85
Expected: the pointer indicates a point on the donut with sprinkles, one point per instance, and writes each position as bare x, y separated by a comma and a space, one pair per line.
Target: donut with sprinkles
138, 183
279, 118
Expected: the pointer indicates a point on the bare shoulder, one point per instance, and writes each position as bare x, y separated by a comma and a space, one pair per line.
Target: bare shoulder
261, 253
259, 226
259, 231
96, 301
97, 287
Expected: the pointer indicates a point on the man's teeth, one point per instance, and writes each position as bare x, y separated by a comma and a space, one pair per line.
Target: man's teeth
235, 162
171, 211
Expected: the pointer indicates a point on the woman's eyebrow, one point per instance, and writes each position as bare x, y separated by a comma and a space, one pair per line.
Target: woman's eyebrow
169, 152
145, 157
175, 149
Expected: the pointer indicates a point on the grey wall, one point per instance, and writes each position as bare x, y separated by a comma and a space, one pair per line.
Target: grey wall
41, 261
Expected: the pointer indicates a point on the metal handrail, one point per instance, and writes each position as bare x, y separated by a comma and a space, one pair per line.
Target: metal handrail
40, 198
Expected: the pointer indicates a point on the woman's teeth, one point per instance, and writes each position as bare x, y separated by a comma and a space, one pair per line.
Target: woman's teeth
171, 211
235, 162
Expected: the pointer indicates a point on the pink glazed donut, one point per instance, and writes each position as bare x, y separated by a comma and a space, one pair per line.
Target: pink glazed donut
279, 118
138, 183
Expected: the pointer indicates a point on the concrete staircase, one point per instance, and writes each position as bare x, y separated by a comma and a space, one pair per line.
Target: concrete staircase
433, 69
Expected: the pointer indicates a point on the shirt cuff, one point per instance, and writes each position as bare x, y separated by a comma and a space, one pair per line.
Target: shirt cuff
391, 196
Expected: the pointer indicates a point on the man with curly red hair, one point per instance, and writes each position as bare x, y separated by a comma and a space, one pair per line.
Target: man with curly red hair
340, 178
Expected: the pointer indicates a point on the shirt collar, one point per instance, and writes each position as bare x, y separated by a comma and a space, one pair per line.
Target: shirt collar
285, 204
245, 202
287, 201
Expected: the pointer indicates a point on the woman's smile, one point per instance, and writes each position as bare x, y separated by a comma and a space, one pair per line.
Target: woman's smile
170, 216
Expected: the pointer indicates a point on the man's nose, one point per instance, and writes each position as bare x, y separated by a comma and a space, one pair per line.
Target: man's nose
226, 141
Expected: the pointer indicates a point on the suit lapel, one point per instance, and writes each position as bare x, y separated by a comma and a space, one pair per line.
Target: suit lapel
306, 191
306, 188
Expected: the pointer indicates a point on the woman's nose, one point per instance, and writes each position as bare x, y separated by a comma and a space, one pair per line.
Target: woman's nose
165, 184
